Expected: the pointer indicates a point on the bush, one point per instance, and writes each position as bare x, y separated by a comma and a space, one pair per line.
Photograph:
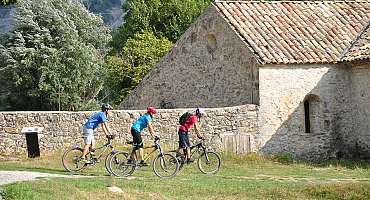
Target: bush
284, 157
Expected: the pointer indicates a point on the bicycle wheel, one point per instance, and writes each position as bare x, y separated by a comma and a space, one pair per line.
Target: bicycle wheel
71, 160
119, 165
165, 165
209, 162
106, 162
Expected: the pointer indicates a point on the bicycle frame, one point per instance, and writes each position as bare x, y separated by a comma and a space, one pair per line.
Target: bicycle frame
155, 147
105, 147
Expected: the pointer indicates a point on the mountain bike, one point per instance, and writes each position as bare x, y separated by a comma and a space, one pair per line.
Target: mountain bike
208, 162
164, 165
72, 158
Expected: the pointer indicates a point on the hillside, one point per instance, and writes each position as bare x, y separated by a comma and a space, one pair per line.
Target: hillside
110, 10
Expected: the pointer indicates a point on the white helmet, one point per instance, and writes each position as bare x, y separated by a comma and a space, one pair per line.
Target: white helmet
199, 111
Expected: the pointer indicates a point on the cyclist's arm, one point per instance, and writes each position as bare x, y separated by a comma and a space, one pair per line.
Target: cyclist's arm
106, 128
197, 130
151, 130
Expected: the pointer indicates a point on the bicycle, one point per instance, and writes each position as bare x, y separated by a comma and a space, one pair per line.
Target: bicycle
72, 158
208, 162
124, 164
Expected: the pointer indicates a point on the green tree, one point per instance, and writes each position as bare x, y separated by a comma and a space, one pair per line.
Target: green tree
7, 2
139, 54
54, 56
165, 18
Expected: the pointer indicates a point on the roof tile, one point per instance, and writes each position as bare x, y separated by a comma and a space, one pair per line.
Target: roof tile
300, 31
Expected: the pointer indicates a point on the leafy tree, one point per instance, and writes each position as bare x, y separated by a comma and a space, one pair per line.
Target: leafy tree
7, 2
139, 54
54, 56
165, 18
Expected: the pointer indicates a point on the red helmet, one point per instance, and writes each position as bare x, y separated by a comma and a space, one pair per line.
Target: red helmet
151, 110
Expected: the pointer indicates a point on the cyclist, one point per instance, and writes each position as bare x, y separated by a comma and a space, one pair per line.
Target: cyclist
91, 124
137, 127
191, 120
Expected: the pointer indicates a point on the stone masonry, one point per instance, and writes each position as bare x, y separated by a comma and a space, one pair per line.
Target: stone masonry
223, 128
203, 69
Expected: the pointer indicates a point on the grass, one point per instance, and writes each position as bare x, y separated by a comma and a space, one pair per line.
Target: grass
241, 177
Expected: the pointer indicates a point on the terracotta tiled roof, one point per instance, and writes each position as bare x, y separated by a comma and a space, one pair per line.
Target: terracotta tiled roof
360, 49
298, 31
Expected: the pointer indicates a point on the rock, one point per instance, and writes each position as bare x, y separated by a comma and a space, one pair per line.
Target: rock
115, 189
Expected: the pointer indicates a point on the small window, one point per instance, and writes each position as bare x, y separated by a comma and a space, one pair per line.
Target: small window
307, 122
312, 114
211, 43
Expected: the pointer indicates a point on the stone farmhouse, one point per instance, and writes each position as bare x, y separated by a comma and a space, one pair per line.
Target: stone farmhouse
304, 64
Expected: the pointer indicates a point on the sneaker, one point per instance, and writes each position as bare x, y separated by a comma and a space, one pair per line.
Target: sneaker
129, 161
190, 160
143, 163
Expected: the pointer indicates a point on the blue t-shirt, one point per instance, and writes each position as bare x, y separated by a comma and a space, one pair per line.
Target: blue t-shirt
95, 120
142, 123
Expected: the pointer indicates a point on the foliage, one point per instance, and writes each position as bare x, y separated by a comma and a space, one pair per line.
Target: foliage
7, 2
139, 54
164, 18
285, 158
53, 57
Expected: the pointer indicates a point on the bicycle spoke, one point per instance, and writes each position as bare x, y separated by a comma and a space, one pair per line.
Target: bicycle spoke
71, 160
165, 165
120, 166
209, 163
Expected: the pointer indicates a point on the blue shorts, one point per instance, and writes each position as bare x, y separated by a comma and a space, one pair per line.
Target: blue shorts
184, 140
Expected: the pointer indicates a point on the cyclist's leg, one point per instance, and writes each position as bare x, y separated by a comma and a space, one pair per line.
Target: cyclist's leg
138, 144
88, 140
185, 144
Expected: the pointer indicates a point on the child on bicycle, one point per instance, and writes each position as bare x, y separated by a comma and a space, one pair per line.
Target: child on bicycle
189, 121
91, 124
137, 127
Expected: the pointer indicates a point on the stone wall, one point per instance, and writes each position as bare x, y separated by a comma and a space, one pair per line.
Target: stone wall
224, 128
357, 142
209, 66
283, 90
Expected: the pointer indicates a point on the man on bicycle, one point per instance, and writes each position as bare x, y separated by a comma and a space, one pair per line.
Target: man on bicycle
91, 124
191, 120
137, 127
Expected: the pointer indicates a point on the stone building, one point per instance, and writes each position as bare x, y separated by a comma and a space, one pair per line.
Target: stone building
305, 64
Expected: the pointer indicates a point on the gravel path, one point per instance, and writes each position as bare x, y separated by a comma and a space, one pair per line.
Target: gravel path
7, 177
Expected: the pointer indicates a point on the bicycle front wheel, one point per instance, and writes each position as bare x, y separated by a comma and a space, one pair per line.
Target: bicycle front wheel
119, 164
71, 160
209, 162
165, 165
106, 162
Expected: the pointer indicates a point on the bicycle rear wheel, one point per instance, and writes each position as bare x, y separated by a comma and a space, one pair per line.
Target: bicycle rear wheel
165, 165
71, 160
119, 165
209, 162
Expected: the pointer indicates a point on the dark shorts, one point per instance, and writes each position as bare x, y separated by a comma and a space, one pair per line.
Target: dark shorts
183, 140
138, 142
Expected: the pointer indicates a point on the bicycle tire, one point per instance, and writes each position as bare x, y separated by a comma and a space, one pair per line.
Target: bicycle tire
76, 154
166, 162
118, 165
106, 162
213, 162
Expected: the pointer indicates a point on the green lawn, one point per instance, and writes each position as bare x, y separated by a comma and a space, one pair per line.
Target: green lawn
241, 177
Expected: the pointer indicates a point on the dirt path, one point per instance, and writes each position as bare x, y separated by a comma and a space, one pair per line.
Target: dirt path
7, 177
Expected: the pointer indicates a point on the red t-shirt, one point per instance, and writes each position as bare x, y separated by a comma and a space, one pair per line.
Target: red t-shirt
189, 123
